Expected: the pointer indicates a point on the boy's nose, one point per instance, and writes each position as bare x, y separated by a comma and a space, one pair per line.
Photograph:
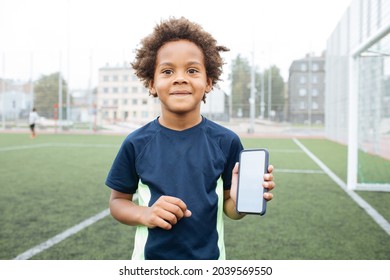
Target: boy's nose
179, 79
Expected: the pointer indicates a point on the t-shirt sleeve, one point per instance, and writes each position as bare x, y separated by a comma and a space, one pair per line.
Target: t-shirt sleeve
122, 176
233, 156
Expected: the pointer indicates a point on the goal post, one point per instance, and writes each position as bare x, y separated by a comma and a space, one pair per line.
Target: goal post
369, 112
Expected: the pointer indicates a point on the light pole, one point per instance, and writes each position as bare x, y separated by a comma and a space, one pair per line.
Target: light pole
252, 96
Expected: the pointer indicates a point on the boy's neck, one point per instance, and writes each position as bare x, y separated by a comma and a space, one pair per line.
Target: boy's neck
179, 122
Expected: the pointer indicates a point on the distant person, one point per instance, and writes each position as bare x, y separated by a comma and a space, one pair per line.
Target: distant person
176, 160
33, 118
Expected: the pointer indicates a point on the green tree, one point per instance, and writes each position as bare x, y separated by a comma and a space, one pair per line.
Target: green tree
240, 78
277, 91
46, 95
240, 82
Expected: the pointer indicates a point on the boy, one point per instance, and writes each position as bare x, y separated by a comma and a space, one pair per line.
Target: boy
175, 161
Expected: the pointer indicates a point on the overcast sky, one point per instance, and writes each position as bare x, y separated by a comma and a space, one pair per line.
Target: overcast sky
79, 35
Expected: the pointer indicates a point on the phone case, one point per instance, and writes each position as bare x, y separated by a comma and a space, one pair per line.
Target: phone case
250, 191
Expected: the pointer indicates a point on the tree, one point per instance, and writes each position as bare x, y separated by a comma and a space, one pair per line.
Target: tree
46, 94
240, 82
240, 78
277, 91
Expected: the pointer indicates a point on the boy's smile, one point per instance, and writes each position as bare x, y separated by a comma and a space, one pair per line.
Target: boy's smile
180, 80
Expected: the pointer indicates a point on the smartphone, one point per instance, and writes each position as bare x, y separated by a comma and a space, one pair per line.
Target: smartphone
250, 190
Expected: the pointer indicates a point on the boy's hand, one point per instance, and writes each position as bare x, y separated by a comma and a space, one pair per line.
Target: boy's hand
268, 183
166, 212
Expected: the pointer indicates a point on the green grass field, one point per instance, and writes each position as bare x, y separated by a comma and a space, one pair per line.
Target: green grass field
54, 182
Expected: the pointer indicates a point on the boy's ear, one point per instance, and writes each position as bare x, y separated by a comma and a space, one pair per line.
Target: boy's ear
209, 85
152, 90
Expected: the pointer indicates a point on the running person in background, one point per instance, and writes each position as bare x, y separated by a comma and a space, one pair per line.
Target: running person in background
32, 119
175, 161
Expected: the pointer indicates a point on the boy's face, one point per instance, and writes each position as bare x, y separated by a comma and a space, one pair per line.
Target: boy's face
180, 78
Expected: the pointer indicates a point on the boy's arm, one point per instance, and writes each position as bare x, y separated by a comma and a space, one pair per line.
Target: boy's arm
164, 213
229, 196
229, 207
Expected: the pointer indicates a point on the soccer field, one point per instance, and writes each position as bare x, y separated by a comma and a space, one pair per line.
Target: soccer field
53, 203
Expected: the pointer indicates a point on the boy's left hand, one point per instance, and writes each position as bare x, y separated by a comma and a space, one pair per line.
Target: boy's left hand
268, 183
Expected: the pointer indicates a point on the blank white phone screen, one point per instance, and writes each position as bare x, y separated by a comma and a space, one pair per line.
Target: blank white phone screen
251, 177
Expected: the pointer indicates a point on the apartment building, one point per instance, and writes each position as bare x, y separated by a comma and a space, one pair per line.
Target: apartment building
121, 97
306, 90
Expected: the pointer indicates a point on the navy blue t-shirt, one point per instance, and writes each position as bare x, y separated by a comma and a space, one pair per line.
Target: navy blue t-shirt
188, 164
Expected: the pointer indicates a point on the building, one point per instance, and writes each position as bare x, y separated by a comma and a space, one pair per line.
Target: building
121, 97
306, 88
83, 105
15, 100
216, 106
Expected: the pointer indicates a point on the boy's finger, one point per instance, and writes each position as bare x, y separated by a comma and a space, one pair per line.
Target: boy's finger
178, 205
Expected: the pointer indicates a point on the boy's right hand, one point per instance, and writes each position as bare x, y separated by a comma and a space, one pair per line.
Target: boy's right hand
166, 212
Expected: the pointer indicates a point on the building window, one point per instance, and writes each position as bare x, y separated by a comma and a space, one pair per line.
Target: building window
106, 90
134, 89
144, 114
303, 66
314, 105
106, 78
314, 92
302, 105
115, 102
134, 101
302, 92
115, 90
302, 79
125, 89
115, 78
124, 101
134, 78
125, 77
144, 102
315, 67
314, 79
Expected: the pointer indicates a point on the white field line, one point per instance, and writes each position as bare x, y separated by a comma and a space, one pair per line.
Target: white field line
24, 147
63, 235
286, 151
378, 218
73, 230
300, 171
64, 145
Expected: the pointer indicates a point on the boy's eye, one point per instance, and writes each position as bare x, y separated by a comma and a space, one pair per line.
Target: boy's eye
192, 71
167, 71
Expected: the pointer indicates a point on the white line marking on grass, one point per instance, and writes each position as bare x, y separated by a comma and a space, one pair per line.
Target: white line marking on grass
300, 171
286, 151
63, 235
64, 145
378, 218
82, 145
23, 147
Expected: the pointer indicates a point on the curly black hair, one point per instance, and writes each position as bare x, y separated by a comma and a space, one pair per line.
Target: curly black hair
172, 30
